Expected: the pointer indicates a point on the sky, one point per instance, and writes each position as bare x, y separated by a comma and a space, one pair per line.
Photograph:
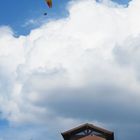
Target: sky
17, 14
29, 14
78, 64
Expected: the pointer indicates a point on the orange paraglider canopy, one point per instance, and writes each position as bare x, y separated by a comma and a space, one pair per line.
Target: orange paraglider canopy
49, 3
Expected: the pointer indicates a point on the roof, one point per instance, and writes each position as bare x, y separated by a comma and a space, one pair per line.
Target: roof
87, 125
108, 134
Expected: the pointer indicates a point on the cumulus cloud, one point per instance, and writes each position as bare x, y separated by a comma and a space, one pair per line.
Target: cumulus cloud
84, 67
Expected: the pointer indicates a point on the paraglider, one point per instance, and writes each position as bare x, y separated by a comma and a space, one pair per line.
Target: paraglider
49, 3
45, 14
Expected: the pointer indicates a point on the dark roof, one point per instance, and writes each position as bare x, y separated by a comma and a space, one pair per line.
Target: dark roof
108, 134
87, 125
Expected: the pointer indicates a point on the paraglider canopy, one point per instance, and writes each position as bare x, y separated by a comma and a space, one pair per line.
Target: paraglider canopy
49, 3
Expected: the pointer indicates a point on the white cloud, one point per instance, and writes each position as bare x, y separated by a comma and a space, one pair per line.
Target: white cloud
88, 57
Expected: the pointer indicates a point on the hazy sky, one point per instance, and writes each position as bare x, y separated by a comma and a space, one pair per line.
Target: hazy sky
78, 64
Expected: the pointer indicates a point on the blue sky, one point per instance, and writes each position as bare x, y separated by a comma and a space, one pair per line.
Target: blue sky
16, 13
77, 64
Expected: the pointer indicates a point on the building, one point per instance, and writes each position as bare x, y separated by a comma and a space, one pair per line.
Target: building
88, 132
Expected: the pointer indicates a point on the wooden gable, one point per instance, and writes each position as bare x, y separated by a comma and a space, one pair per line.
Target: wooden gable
88, 132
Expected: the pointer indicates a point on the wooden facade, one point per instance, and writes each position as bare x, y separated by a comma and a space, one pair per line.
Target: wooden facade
88, 132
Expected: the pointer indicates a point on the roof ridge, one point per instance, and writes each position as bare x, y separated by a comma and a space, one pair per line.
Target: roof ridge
87, 124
